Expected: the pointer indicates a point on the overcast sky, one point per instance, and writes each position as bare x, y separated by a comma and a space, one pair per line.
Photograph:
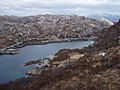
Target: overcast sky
78, 7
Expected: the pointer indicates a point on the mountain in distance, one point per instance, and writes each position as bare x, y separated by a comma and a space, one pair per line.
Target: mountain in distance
105, 20
110, 17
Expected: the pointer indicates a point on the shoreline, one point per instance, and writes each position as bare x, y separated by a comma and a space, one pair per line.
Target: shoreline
38, 60
14, 49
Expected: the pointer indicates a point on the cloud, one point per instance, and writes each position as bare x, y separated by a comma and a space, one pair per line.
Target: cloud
79, 7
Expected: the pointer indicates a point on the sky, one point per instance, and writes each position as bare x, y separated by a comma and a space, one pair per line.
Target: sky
68, 7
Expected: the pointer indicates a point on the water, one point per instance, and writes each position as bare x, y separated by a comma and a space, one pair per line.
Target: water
10, 65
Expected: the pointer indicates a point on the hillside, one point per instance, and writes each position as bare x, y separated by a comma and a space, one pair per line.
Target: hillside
109, 37
15, 29
80, 70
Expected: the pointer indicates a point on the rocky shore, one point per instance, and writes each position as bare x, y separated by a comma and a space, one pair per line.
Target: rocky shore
9, 51
48, 63
13, 49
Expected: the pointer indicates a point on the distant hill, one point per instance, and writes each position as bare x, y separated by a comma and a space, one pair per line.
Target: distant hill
113, 18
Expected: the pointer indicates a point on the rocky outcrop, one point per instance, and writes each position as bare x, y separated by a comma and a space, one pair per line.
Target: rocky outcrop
9, 51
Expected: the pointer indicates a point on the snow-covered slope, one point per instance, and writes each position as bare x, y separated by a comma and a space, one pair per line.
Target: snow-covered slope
113, 18
106, 21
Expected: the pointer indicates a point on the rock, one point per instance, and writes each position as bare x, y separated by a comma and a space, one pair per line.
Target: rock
117, 66
75, 56
36, 71
32, 62
102, 54
98, 64
45, 62
9, 51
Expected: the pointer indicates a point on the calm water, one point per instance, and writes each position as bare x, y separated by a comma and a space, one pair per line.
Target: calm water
10, 65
